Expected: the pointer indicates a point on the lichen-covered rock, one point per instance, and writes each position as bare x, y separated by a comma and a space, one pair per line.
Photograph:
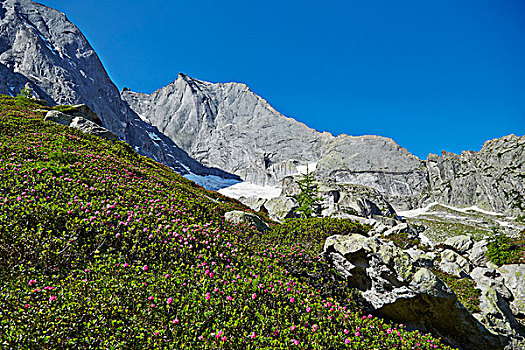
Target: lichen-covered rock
421, 258
402, 227
81, 123
486, 278
281, 208
90, 127
460, 243
241, 217
453, 263
514, 276
497, 316
395, 288
477, 255
58, 117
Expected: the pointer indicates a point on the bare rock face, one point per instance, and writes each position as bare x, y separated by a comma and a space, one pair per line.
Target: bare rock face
396, 287
229, 127
493, 178
82, 123
39, 46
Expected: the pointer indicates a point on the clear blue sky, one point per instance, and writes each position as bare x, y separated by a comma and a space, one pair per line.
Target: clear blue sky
432, 75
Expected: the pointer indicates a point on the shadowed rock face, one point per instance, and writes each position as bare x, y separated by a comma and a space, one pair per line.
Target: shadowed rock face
40, 46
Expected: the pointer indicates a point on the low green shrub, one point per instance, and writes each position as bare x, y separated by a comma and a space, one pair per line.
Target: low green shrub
503, 249
64, 108
403, 240
465, 289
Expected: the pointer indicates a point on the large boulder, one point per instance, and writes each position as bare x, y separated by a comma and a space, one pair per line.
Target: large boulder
477, 255
460, 243
280, 208
58, 117
241, 217
394, 287
454, 264
514, 276
80, 110
486, 277
90, 127
497, 316
81, 123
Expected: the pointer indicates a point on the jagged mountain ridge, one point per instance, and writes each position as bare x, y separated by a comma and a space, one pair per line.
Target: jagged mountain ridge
229, 127
40, 46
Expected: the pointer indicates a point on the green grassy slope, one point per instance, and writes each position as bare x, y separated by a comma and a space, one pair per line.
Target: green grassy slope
103, 248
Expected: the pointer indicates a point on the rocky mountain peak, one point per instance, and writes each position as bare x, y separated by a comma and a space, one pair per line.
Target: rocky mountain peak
229, 127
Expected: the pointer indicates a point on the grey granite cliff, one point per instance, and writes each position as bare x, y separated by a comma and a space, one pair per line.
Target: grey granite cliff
493, 178
229, 127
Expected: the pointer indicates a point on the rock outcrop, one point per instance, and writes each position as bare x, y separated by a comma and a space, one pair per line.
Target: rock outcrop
244, 218
81, 122
493, 178
337, 200
39, 46
399, 285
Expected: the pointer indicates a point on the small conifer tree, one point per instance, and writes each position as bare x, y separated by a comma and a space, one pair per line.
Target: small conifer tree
26, 92
309, 203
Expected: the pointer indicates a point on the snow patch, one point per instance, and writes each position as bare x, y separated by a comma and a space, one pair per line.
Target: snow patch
424, 239
144, 118
304, 169
509, 225
153, 136
425, 210
475, 208
209, 182
416, 212
250, 190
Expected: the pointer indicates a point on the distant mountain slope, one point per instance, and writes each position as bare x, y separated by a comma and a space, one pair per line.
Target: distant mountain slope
229, 127
237, 133
493, 178
40, 46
